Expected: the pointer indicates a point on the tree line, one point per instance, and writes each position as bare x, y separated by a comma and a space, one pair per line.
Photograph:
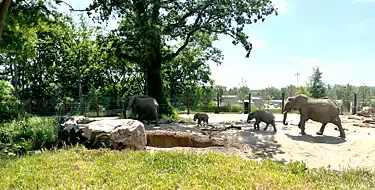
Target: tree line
315, 87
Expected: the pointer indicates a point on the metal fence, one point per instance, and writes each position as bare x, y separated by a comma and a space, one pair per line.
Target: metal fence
183, 103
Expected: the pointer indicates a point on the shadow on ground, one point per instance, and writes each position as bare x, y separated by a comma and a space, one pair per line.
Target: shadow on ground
263, 142
317, 139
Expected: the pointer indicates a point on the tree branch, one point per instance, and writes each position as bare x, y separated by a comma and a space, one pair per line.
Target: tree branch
81, 10
195, 27
182, 22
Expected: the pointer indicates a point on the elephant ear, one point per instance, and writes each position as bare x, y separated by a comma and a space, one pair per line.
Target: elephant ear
300, 100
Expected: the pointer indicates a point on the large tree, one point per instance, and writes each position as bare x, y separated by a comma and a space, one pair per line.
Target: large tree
147, 26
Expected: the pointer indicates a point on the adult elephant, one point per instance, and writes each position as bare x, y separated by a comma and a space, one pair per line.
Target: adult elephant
319, 110
143, 106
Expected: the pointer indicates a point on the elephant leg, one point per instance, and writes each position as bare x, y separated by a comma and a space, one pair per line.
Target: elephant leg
321, 131
148, 120
266, 127
274, 127
258, 125
141, 116
302, 124
134, 115
337, 122
157, 119
299, 125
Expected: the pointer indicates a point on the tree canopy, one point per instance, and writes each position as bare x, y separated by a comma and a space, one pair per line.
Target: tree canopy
148, 27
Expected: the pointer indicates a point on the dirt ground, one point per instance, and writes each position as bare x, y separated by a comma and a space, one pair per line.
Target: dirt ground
358, 149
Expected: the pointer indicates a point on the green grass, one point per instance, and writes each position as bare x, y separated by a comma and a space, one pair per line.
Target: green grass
79, 168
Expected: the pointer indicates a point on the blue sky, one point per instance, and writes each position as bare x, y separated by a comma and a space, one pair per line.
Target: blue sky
336, 35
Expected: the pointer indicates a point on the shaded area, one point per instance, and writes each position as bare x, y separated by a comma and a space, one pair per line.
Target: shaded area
262, 142
317, 139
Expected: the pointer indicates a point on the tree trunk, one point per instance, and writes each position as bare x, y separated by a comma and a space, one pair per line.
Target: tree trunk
155, 85
5, 5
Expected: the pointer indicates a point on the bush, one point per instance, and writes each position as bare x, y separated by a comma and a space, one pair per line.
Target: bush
8, 102
20, 136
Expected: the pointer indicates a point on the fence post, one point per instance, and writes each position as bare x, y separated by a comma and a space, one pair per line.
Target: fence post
282, 102
354, 111
188, 102
249, 102
97, 107
218, 103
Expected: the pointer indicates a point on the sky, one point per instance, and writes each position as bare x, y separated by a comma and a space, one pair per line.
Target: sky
336, 35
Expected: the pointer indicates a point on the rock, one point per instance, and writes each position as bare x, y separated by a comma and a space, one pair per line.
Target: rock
117, 134
83, 120
165, 120
70, 132
181, 121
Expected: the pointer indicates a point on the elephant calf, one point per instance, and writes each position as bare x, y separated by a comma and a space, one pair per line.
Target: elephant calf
201, 117
262, 116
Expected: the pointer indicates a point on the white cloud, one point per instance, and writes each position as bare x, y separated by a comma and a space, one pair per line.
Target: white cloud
309, 60
258, 43
281, 5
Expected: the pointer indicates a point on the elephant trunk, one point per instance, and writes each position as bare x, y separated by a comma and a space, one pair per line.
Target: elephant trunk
285, 115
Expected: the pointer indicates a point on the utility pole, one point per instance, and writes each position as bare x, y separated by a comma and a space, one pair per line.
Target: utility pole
297, 74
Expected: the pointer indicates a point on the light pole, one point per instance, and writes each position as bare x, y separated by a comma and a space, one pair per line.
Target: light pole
297, 74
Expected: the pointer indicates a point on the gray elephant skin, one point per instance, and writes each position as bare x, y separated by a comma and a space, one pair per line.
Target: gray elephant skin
145, 106
319, 110
262, 116
201, 117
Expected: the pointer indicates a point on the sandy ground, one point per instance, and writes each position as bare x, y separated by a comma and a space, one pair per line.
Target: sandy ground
358, 149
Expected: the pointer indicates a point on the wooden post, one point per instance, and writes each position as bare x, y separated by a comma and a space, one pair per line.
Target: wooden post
282, 101
354, 111
188, 102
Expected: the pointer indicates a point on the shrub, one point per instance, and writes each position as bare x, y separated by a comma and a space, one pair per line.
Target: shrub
8, 102
20, 136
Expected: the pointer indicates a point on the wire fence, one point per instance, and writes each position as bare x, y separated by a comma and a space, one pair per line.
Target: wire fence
183, 104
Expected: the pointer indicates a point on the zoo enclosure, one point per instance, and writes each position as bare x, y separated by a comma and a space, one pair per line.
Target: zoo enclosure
183, 104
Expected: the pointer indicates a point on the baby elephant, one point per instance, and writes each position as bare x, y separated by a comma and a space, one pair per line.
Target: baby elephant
262, 115
201, 117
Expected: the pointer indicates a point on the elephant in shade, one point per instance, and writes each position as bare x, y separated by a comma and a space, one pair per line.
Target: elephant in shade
145, 106
319, 110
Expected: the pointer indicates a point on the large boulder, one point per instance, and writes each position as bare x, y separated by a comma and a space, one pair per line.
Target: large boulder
69, 132
117, 134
